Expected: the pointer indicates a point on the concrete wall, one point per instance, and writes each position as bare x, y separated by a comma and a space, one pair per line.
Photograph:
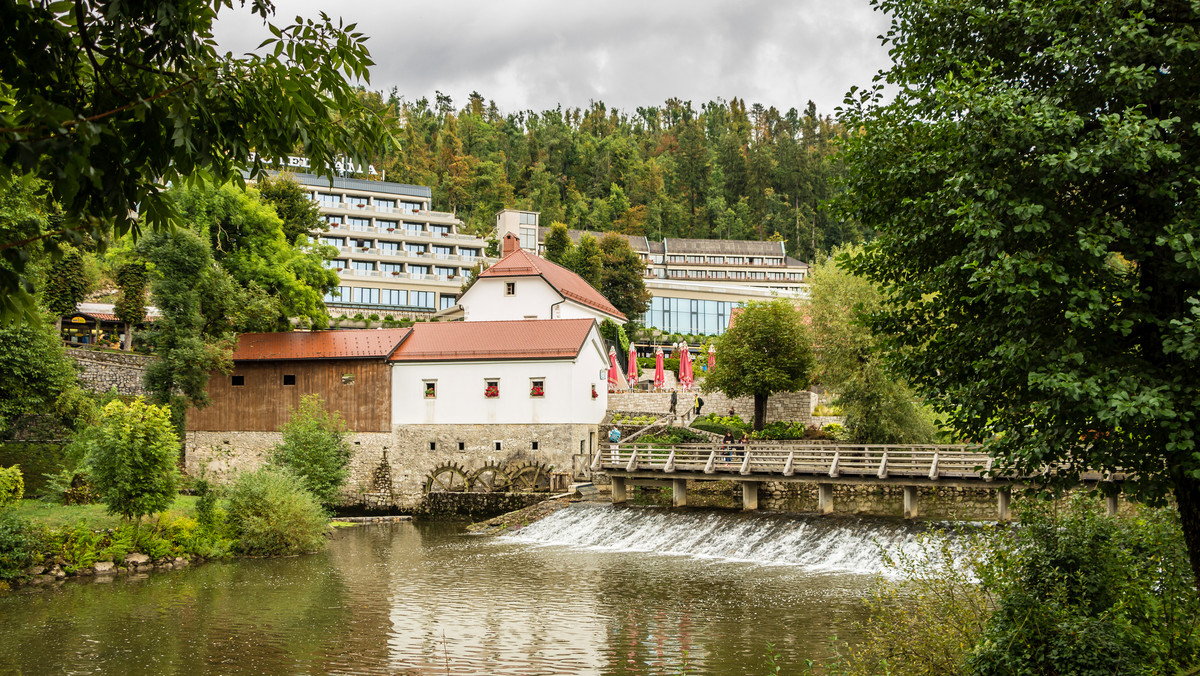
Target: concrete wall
103, 371
460, 388
412, 451
786, 406
485, 300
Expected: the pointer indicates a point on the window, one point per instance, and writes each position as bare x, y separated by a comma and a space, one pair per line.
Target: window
444, 273
716, 259
442, 252
386, 225
468, 254
389, 248
409, 207
388, 268
357, 202
238, 381
446, 301
289, 379
342, 293
395, 297
363, 266
334, 263
416, 249
411, 227
358, 223
384, 205
510, 288
439, 230
327, 200
419, 269
347, 378
528, 219
491, 388
674, 259
433, 445
361, 295
462, 446
333, 221
695, 259
333, 241
431, 390
528, 238
496, 445
537, 387
535, 445
361, 243
422, 299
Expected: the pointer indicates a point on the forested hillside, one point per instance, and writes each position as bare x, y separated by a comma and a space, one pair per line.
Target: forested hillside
723, 171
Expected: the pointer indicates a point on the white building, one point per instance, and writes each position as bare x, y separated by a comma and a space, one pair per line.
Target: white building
524, 286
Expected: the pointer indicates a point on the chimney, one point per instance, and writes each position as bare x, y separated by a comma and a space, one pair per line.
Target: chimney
511, 244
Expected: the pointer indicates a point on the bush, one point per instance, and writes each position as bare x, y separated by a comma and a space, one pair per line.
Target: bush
720, 424
674, 435
316, 449
271, 514
12, 486
131, 451
790, 431
20, 545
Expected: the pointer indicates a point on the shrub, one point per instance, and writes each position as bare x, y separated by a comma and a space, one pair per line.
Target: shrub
790, 431
674, 435
132, 450
316, 449
720, 424
271, 514
20, 545
12, 486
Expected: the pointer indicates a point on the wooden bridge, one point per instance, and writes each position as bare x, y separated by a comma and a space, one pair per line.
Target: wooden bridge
825, 464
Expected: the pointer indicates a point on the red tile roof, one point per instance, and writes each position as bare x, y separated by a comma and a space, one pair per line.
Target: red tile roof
349, 344
521, 263
521, 339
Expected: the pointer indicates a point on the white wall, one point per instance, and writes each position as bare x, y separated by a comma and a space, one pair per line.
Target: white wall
485, 300
534, 299
460, 388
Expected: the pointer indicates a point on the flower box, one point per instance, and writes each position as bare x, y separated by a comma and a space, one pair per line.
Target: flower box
395, 274
537, 391
491, 392
595, 394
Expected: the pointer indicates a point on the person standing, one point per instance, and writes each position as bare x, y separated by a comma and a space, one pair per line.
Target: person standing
674, 401
698, 403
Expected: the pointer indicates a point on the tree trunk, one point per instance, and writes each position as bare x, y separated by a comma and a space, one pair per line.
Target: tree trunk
128, 343
760, 411
1187, 497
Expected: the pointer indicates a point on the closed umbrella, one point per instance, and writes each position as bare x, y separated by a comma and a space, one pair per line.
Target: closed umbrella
712, 357
660, 378
633, 366
614, 373
685, 366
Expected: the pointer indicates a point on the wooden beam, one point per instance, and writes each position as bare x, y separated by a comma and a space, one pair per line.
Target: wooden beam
670, 465
745, 460
710, 466
789, 468
632, 465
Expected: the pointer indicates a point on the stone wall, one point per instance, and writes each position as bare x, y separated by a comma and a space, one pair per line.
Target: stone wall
475, 506
102, 371
409, 453
786, 406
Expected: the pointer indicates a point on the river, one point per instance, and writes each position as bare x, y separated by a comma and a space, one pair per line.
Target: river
592, 589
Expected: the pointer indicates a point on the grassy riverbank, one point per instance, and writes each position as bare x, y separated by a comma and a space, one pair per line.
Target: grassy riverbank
54, 516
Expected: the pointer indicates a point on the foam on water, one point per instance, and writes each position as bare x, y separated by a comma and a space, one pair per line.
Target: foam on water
816, 544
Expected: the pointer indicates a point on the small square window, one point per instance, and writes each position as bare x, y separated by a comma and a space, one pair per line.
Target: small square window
347, 378
537, 387
431, 389
496, 444
510, 288
433, 445
238, 381
462, 446
535, 445
289, 379
491, 388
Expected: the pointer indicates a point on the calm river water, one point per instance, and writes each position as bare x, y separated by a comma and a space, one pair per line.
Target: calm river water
592, 589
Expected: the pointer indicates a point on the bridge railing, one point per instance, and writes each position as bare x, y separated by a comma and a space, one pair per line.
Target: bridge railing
931, 461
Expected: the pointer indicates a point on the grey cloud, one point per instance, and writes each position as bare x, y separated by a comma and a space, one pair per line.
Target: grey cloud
535, 54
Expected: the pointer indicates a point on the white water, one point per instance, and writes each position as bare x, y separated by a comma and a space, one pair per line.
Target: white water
815, 544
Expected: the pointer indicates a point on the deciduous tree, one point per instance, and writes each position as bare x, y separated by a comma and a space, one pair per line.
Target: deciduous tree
765, 350
132, 451
621, 277
1034, 187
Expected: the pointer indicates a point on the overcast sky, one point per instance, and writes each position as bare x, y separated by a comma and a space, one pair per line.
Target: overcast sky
536, 54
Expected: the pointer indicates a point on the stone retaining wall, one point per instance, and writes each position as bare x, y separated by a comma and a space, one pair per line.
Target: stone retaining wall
409, 453
102, 371
785, 406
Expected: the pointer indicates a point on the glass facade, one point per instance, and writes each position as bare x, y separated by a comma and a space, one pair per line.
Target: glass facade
687, 315
421, 299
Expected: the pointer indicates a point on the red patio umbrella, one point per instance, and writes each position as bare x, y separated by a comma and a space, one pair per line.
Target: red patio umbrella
660, 378
614, 373
633, 366
685, 366
712, 357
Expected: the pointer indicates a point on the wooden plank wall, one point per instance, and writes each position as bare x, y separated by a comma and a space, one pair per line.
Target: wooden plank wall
264, 403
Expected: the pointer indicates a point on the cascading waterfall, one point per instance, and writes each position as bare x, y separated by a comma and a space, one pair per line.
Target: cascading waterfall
816, 544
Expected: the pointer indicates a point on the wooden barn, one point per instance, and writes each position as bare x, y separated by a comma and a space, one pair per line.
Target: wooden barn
273, 371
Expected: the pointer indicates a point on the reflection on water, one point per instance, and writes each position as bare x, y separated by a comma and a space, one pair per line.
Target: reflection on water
428, 599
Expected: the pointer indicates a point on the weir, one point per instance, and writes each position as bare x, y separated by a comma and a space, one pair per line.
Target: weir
845, 545
909, 466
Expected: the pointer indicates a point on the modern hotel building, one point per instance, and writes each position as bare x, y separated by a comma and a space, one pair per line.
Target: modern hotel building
694, 283
396, 255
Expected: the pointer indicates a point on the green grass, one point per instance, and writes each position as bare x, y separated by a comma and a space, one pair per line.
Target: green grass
57, 516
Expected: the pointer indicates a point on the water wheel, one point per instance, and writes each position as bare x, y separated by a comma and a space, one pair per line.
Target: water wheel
490, 478
532, 477
447, 479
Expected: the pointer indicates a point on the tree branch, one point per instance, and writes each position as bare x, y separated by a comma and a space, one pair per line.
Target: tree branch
71, 123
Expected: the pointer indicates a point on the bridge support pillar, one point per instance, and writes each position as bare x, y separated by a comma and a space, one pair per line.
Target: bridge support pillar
749, 495
618, 490
1004, 504
679, 492
825, 498
1111, 502
910, 502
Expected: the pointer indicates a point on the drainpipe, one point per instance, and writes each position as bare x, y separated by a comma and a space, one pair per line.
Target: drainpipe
554, 305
